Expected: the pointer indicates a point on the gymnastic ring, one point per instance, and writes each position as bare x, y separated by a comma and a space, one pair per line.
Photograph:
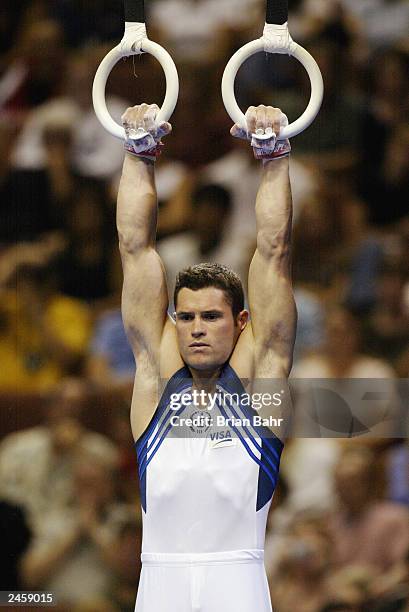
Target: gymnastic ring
295, 50
134, 42
104, 70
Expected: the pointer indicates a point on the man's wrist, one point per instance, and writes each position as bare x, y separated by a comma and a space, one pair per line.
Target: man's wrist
276, 159
281, 149
151, 154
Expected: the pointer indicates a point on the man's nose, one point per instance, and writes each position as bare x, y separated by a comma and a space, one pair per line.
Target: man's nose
198, 328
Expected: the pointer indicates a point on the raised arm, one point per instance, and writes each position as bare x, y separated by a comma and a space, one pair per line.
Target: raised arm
144, 294
272, 307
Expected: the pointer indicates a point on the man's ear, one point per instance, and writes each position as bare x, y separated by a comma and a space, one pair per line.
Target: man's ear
242, 319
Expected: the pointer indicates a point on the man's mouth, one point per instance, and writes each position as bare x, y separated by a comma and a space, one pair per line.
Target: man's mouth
197, 344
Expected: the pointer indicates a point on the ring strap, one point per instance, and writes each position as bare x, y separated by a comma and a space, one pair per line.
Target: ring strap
134, 11
277, 11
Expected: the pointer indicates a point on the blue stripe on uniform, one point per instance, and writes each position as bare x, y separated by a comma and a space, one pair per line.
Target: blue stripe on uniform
147, 461
268, 437
274, 466
270, 444
141, 454
174, 385
250, 452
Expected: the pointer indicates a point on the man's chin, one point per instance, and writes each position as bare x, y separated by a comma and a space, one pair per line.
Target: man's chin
202, 363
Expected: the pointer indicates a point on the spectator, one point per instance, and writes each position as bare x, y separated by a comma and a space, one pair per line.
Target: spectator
35, 68
311, 461
39, 166
73, 552
44, 334
85, 266
341, 356
111, 361
36, 465
308, 468
91, 151
300, 581
365, 531
388, 325
349, 590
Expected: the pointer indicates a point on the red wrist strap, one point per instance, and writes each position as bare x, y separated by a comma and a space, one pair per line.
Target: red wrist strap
282, 149
151, 154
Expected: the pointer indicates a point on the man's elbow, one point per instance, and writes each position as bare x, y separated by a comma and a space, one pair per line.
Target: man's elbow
273, 246
133, 241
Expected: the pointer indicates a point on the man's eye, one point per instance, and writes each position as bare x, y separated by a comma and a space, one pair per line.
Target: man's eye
184, 317
211, 316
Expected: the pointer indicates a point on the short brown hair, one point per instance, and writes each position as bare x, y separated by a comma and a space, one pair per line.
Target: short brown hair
205, 275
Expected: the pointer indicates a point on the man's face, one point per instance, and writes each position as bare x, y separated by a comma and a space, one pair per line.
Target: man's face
205, 327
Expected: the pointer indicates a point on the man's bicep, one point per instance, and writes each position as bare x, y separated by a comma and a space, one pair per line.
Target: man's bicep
144, 301
272, 307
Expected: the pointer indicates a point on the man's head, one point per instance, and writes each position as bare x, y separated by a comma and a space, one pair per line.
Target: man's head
210, 315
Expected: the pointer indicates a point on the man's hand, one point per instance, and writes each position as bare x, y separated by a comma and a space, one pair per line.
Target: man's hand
143, 135
264, 124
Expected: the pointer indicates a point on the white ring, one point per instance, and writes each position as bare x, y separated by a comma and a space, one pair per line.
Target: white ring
309, 63
104, 70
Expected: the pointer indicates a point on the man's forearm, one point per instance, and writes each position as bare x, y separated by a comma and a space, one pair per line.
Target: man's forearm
274, 206
137, 204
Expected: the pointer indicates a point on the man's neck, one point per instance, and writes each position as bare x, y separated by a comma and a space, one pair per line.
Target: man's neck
205, 379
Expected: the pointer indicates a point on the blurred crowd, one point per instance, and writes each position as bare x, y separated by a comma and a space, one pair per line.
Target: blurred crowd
338, 538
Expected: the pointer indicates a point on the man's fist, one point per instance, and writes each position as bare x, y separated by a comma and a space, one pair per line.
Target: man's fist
264, 124
143, 135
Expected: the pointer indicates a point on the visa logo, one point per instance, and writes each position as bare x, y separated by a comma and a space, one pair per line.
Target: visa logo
220, 435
